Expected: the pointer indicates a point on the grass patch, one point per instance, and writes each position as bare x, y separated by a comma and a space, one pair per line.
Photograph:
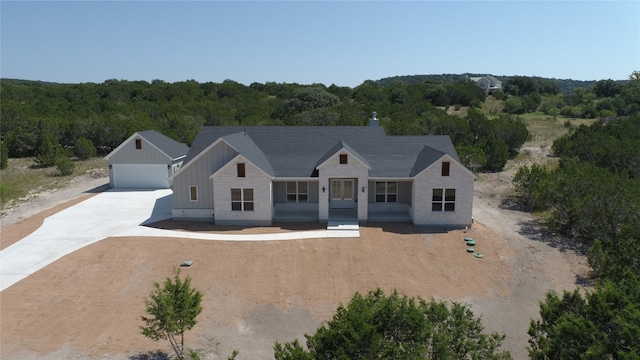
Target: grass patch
23, 179
491, 107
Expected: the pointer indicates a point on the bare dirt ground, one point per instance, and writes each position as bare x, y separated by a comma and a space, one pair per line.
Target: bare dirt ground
88, 304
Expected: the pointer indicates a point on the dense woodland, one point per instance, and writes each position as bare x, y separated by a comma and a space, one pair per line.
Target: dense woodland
591, 197
39, 117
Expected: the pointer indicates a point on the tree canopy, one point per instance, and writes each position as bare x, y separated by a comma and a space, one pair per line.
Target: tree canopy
172, 309
394, 326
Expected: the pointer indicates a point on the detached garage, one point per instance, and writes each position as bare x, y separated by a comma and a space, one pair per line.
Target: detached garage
145, 161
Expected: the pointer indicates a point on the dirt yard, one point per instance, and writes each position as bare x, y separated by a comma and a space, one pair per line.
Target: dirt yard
89, 303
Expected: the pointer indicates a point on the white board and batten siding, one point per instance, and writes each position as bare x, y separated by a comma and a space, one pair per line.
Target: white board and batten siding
144, 168
196, 173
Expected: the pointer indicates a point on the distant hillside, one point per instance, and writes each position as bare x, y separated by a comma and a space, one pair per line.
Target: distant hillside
566, 85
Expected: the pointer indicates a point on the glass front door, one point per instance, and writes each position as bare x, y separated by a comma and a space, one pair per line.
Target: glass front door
342, 195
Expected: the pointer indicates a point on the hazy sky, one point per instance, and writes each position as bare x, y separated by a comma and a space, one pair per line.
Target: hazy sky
342, 43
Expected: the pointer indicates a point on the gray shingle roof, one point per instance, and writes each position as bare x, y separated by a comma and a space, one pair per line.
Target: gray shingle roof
166, 144
295, 151
245, 146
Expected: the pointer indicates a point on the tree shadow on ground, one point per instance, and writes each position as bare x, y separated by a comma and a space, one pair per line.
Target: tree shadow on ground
511, 202
151, 355
535, 230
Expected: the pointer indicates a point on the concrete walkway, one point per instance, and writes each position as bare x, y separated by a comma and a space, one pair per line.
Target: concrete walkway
114, 214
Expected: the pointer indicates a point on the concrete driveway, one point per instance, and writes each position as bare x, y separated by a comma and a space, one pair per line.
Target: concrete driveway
104, 215
117, 213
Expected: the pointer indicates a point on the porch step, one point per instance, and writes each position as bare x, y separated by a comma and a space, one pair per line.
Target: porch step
343, 225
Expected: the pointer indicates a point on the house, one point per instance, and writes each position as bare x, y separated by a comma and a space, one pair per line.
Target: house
254, 175
145, 161
488, 83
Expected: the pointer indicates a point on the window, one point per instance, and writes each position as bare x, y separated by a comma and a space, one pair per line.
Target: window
242, 199
343, 158
241, 172
193, 193
138, 144
297, 191
443, 200
445, 168
386, 191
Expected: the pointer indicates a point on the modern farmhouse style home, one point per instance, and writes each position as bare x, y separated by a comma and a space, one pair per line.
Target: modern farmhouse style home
258, 175
145, 161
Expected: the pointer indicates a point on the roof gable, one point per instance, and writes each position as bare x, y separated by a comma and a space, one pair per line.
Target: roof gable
425, 158
339, 147
169, 147
243, 144
165, 144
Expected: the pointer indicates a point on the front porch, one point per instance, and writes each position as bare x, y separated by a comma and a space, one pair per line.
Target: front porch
310, 214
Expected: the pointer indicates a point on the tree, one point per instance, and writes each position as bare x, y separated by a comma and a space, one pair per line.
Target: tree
84, 149
64, 165
602, 324
530, 185
48, 151
612, 259
377, 326
497, 153
514, 105
607, 88
4, 155
512, 131
472, 157
172, 309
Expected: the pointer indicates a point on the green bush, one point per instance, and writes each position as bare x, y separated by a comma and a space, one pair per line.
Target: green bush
4, 156
84, 149
64, 165
48, 151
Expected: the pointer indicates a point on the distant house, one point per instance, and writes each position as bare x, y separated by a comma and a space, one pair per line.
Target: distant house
488, 83
257, 175
145, 161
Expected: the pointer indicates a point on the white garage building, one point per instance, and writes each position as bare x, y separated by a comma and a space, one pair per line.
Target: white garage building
145, 161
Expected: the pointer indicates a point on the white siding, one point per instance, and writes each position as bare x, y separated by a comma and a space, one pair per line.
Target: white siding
197, 172
332, 169
146, 155
460, 179
226, 179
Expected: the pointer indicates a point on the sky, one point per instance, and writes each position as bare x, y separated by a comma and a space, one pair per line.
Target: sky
330, 42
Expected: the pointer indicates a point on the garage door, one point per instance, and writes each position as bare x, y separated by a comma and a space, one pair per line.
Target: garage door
129, 176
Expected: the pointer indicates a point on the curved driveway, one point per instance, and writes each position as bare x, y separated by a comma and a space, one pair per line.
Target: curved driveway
109, 214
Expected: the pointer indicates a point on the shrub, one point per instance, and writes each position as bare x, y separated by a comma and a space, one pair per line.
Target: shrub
4, 156
84, 149
64, 165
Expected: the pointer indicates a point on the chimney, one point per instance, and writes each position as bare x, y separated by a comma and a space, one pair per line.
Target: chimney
374, 121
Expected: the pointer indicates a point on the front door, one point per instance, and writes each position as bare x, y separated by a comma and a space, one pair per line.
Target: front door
342, 195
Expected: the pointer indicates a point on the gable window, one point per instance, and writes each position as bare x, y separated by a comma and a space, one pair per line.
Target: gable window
445, 168
242, 199
193, 193
386, 191
138, 144
241, 172
297, 191
443, 200
343, 158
